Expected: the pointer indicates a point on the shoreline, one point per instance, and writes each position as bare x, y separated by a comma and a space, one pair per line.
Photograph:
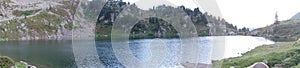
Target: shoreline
264, 53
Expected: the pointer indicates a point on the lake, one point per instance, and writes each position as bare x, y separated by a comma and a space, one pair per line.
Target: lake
59, 54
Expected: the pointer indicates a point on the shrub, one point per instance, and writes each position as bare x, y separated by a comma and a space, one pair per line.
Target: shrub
296, 44
5, 62
27, 12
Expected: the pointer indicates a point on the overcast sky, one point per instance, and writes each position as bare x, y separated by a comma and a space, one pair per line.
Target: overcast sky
248, 13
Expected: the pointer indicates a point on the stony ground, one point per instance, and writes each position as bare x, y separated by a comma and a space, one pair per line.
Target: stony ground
43, 19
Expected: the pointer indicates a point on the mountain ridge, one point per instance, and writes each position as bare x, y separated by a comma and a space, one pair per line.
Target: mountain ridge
296, 16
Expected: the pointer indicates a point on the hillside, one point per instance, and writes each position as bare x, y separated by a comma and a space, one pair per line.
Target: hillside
48, 20
288, 30
282, 54
296, 16
27, 20
64, 20
153, 27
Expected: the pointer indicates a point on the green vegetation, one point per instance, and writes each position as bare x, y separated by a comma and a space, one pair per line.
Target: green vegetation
18, 13
6, 62
59, 11
19, 65
7, 1
26, 12
151, 27
68, 26
287, 30
9, 29
38, 24
286, 53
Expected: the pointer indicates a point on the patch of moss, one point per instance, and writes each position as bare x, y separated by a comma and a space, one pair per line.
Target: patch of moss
26, 12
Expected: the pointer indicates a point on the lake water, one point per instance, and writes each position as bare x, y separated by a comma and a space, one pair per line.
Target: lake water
59, 54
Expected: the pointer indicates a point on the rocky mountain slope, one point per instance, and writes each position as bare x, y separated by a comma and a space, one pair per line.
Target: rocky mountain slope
44, 19
36, 19
58, 20
288, 30
296, 16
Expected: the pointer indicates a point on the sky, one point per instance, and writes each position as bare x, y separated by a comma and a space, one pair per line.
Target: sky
243, 13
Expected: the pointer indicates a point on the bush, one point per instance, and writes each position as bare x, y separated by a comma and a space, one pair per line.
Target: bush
5, 62
296, 44
27, 12
20, 13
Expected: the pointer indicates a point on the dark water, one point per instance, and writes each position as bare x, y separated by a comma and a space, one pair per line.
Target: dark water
43, 54
59, 54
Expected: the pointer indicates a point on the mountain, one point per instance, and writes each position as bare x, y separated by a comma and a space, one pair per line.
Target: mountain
27, 20
296, 16
48, 20
65, 20
153, 27
288, 30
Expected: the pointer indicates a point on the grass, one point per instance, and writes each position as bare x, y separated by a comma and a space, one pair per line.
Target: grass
6, 62
38, 24
284, 31
26, 12
7, 1
11, 29
19, 65
274, 54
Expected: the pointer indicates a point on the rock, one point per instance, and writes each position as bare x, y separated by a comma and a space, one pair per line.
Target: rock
196, 65
298, 40
5, 29
22, 24
27, 65
278, 65
259, 65
287, 59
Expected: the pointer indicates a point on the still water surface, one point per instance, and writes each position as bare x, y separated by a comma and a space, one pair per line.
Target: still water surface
59, 54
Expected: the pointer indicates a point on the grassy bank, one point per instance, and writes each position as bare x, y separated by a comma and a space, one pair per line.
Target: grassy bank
286, 54
6, 62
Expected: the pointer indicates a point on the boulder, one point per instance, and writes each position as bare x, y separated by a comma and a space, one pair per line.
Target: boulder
298, 40
259, 65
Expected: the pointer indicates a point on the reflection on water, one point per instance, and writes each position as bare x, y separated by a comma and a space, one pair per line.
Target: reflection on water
59, 54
